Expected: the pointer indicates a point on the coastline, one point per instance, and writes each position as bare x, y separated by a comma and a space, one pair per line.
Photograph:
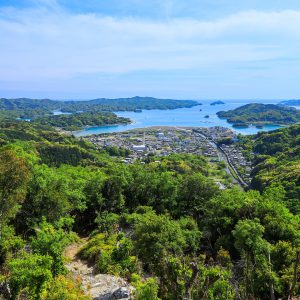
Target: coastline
86, 127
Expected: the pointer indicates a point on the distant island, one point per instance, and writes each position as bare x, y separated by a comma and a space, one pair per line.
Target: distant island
261, 114
28, 108
217, 103
290, 102
74, 115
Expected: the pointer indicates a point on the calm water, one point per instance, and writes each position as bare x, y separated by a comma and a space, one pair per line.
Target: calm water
180, 117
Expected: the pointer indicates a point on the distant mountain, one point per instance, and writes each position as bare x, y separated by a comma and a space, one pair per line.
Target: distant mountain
290, 102
259, 114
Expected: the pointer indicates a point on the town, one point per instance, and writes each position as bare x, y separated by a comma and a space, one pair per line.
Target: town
163, 141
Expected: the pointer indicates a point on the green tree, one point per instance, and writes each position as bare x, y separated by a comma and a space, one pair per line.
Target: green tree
63, 288
249, 241
157, 235
14, 175
51, 241
10, 243
194, 192
28, 275
147, 290
47, 197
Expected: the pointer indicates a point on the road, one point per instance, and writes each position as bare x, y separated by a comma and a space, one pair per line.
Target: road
224, 157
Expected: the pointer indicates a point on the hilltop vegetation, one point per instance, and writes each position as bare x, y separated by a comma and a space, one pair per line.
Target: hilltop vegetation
164, 225
277, 162
261, 114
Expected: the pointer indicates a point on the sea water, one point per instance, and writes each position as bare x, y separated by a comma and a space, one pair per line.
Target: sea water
181, 117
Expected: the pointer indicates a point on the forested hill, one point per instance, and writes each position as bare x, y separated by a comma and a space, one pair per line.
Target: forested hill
127, 104
277, 162
161, 223
260, 114
77, 121
32, 107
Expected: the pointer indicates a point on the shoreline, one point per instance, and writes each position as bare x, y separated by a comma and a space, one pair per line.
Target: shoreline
81, 133
157, 128
95, 126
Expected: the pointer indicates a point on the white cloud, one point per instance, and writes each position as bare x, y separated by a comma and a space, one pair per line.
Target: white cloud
49, 43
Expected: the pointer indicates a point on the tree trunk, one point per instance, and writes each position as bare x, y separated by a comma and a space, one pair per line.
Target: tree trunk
189, 284
272, 296
295, 275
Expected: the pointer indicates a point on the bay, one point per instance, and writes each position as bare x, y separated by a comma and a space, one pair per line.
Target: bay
182, 117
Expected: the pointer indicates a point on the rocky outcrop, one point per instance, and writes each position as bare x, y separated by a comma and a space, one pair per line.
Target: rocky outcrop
100, 286
120, 293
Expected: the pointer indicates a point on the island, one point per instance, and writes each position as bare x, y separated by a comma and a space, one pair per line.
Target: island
290, 102
217, 103
29, 108
77, 121
261, 114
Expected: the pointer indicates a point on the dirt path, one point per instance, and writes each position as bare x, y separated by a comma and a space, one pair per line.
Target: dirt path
99, 286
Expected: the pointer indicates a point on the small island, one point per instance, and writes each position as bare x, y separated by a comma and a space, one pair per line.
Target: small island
217, 103
261, 114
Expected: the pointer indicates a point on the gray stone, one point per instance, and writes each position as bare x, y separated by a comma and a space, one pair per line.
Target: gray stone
121, 293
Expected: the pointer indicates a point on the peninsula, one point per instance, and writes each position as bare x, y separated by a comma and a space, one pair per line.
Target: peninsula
261, 114
77, 121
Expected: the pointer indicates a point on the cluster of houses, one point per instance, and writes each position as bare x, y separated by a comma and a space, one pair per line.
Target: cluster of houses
169, 140
238, 161
160, 142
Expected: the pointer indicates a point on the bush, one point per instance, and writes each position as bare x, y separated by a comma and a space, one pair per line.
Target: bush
64, 288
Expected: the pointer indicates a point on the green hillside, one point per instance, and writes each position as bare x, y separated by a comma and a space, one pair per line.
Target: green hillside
277, 162
261, 114
77, 121
162, 224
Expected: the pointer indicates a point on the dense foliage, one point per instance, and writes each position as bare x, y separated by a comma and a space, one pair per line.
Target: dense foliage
261, 114
164, 225
276, 158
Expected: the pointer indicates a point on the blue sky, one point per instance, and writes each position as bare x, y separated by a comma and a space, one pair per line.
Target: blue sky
192, 49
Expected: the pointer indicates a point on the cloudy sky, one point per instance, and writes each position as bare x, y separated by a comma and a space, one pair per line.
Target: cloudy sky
185, 49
